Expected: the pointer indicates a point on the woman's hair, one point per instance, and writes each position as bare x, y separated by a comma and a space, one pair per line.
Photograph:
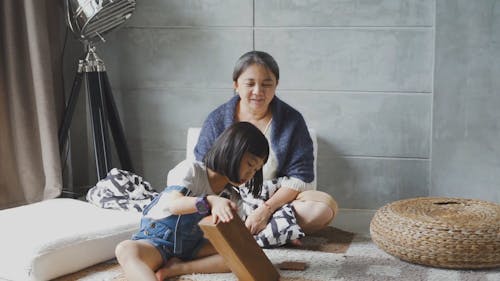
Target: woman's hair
224, 157
256, 57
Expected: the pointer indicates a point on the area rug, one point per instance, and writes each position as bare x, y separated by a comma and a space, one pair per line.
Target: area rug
331, 254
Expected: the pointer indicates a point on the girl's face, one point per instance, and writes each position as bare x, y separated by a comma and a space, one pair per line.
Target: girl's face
250, 164
256, 87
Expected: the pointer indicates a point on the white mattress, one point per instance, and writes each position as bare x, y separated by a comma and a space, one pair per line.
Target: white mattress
55, 237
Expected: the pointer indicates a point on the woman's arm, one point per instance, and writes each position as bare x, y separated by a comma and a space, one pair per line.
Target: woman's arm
282, 196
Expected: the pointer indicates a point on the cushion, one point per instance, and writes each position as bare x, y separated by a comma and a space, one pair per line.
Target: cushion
192, 139
440, 231
44, 240
121, 190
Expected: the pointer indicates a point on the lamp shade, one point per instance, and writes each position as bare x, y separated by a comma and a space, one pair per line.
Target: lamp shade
91, 19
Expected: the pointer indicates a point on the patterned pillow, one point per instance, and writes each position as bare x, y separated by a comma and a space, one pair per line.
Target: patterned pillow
121, 190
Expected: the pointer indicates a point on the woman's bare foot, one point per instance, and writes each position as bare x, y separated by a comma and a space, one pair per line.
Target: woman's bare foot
168, 270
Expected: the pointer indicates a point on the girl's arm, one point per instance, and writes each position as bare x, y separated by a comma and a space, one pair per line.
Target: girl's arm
222, 209
179, 204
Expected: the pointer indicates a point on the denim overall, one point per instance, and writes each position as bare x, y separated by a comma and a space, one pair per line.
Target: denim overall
175, 235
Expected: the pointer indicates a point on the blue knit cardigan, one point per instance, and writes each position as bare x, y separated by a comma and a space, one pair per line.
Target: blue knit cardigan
290, 139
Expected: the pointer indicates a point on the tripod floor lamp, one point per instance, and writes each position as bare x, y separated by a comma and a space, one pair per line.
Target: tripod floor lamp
90, 20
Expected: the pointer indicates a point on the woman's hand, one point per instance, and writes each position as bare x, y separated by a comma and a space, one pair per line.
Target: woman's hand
222, 209
258, 219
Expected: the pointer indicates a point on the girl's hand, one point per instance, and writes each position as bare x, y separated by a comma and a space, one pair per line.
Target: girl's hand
222, 209
258, 219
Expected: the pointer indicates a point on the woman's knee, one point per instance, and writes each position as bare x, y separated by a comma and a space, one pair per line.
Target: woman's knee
314, 210
321, 197
310, 212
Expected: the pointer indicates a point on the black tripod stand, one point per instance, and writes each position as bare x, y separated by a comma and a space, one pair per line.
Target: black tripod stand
103, 113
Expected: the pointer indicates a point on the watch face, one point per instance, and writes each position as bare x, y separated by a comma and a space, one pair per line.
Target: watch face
202, 205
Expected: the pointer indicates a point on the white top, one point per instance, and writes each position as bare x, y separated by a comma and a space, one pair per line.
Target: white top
192, 175
270, 169
271, 166
189, 174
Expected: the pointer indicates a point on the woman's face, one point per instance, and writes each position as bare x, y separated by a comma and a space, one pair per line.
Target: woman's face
249, 165
256, 87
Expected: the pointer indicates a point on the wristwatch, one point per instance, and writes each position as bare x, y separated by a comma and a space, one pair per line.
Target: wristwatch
202, 205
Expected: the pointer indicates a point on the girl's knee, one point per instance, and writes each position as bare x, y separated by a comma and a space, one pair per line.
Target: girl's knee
125, 250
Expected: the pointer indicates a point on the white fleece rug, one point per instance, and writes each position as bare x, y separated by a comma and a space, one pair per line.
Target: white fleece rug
327, 259
362, 261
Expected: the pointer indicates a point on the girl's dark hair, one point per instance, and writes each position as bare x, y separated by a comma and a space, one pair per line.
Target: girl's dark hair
224, 157
255, 57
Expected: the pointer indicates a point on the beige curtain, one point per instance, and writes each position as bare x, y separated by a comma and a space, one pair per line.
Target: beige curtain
31, 37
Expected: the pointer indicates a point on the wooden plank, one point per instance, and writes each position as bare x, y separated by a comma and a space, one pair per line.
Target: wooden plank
240, 250
292, 265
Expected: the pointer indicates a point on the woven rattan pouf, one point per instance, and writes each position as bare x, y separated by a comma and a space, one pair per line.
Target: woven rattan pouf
440, 232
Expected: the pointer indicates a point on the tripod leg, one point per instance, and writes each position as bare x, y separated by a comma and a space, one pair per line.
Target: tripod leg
69, 111
116, 126
97, 101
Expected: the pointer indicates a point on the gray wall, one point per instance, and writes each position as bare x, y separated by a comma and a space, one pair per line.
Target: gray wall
403, 94
466, 133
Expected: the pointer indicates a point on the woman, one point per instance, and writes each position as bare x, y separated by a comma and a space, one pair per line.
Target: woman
291, 160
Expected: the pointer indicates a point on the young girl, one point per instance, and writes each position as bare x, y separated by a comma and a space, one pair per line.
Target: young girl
169, 235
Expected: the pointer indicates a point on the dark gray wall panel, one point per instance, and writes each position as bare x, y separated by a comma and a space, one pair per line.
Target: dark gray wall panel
154, 13
158, 119
368, 124
344, 13
466, 154
354, 60
369, 183
155, 58
154, 164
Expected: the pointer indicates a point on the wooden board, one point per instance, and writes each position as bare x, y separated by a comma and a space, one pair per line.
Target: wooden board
240, 250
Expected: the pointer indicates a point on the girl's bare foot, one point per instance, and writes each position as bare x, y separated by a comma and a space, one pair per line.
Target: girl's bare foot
168, 270
295, 243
